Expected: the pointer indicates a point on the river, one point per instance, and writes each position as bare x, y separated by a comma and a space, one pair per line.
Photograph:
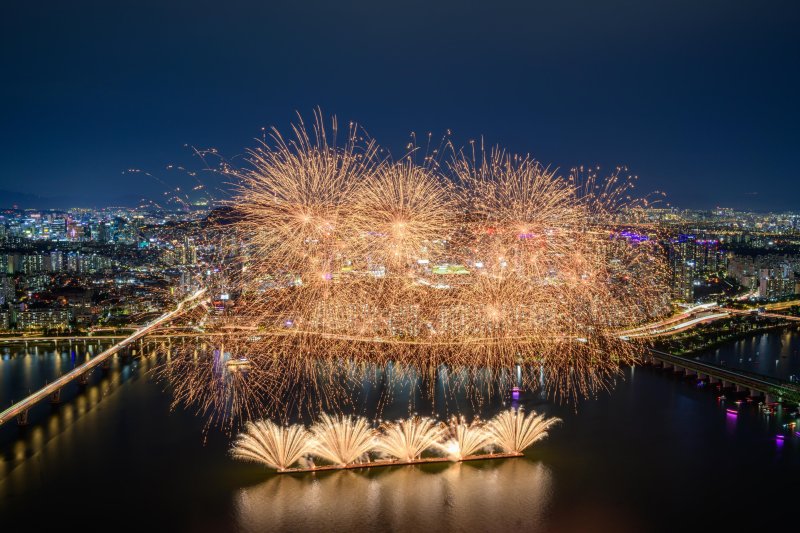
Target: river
775, 353
658, 453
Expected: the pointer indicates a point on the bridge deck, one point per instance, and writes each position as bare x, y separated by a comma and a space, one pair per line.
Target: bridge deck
750, 380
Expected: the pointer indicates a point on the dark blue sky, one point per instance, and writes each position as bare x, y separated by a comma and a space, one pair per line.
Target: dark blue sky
699, 98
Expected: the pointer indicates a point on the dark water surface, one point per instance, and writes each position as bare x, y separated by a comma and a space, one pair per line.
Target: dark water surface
657, 454
775, 354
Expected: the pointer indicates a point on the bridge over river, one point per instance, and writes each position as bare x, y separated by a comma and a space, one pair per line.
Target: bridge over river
20, 409
773, 389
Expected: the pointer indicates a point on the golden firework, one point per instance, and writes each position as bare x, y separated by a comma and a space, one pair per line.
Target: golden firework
485, 265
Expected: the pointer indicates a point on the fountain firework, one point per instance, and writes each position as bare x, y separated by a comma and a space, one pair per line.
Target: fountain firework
346, 442
276, 446
465, 439
342, 440
513, 431
407, 439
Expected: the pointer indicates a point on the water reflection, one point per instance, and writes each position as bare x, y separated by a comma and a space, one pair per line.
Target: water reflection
52, 425
776, 354
461, 496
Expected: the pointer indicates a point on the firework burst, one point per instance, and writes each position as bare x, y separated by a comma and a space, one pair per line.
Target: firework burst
400, 214
346, 262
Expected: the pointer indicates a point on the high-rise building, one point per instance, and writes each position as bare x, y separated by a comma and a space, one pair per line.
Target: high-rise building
33, 263
56, 261
58, 229
74, 231
710, 257
73, 262
7, 289
44, 319
682, 254
744, 270
103, 232
190, 251
776, 282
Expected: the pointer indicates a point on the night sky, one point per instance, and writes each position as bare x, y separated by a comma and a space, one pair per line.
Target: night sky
698, 98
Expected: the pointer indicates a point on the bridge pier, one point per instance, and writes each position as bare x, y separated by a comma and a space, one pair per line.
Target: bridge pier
22, 418
727, 379
55, 397
83, 379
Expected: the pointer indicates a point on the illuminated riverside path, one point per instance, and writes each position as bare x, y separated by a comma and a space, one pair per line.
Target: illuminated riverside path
20, 409
772, 388
756, 384
700, 314
183, 332
764, 314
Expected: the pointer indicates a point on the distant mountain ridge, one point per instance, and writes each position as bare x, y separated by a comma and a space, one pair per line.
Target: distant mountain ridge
23, 200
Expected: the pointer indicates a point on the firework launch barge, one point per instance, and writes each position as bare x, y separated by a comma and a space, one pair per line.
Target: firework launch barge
394, 462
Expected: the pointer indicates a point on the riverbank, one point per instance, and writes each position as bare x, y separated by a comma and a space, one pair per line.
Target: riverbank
704, 337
